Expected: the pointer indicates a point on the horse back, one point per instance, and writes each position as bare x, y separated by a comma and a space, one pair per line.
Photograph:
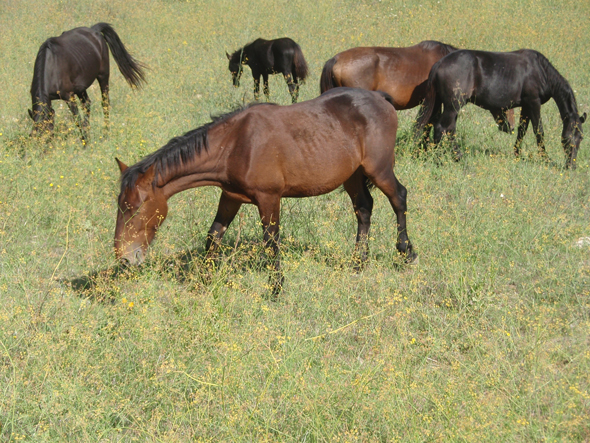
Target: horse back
79, 56
491, 79
401, 72
322, 141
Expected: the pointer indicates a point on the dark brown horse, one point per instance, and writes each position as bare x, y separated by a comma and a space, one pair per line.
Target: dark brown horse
263, 153
401, 72
497, 81
67, 65
279, 56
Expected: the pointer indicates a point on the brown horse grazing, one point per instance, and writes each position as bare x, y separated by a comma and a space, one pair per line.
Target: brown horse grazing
67, 65
262, 153
401, 72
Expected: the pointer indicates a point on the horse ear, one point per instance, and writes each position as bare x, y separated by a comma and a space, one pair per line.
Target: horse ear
30, 114
122, 166
583, 118
227, 55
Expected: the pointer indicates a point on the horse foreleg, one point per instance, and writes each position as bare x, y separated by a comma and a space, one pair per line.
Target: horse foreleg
362, 201
523, 125
446, 125
422, 135
509, 116
226, 212
269, 207
538, 129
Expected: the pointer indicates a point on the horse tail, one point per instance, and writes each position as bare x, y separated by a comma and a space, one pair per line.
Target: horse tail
428, 104
300, 64
327, 77
131, 69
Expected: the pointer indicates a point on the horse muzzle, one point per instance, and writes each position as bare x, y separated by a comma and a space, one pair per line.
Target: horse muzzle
133, 258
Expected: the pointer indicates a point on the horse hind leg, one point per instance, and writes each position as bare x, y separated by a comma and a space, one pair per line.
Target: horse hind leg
71, 101
362, 202
256, 88
388, 183
293, 86
503, 121
265, 87
104, 91
86, 103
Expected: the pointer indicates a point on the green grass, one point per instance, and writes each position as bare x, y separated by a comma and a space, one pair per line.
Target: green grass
484, 339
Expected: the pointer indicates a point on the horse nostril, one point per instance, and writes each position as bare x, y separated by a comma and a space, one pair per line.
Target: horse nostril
124, 262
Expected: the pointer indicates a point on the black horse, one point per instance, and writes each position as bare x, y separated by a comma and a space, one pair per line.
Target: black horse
67, 65
498, 81
266, 57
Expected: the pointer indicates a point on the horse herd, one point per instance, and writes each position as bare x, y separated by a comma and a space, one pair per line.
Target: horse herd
263, 152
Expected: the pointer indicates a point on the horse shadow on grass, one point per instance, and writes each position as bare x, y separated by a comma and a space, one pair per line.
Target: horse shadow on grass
193, 269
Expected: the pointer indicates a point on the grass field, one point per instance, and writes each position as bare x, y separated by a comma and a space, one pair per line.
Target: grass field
486, 338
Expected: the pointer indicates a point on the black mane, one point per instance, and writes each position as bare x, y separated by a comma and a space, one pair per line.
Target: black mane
177, 151
236, 56
561, 90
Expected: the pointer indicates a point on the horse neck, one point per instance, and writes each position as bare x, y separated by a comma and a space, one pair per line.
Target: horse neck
205, 169
562, 93
38, 91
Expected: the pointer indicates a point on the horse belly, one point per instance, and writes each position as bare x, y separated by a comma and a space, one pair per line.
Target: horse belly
494, 96
319, 176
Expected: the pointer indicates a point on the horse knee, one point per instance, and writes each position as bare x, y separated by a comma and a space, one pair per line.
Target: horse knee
402, 194
363, 215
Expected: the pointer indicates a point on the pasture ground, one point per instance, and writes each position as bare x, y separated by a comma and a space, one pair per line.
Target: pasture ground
486, 338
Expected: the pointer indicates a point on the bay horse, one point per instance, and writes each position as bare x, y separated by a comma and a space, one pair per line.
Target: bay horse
401, 72
496, 81
279, 56
67, 65
262, 153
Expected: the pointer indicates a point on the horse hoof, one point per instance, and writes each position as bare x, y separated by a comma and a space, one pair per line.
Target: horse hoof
411, 258
276, 287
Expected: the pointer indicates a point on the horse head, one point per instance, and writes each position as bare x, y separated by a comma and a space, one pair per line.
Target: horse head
235, 66
142, 209
42, 115
572, 136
